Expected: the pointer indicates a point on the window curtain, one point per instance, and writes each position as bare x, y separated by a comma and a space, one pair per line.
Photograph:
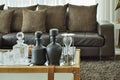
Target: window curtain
106, 8
116, 12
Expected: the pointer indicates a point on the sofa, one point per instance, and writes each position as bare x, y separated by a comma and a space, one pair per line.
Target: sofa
93, 37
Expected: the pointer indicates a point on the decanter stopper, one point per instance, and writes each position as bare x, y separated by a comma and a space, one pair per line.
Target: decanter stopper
53, 32
38, 34
20, 35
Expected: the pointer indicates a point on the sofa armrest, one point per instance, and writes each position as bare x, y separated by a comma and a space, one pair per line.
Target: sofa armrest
106, 29
0, 40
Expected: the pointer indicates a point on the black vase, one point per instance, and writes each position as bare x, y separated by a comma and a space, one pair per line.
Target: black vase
39, 51
54, 49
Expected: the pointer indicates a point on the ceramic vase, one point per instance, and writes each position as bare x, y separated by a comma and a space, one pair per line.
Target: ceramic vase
38, 51
54, 49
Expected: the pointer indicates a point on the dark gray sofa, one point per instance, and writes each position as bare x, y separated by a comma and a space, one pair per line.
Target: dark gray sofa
91, 44
99, 42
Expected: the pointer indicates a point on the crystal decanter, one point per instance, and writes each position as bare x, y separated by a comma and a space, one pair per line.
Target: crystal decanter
20, 49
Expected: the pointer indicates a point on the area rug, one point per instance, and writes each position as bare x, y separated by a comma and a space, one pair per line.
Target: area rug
100, 70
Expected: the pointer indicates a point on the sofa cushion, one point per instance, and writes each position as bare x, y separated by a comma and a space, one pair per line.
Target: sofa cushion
18, 17
8, 40
56, 16
1, 7
88, 40
82, 18
5, 20
84, 40
34, 21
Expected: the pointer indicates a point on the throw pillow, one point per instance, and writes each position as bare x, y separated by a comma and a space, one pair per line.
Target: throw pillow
5, 20
18, 17
33, 21
82, 18
56, 16
1, 7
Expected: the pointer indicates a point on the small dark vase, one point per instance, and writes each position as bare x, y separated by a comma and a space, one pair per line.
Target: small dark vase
39, 51
54, 49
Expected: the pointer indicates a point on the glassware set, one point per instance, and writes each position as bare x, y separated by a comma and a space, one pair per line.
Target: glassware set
19, 54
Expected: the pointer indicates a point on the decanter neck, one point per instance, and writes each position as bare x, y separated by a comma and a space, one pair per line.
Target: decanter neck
38, 42
53, 39
20, 41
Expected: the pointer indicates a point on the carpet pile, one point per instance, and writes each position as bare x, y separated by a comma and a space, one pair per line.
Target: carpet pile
100, 70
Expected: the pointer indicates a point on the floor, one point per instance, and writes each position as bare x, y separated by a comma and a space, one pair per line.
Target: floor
117, 51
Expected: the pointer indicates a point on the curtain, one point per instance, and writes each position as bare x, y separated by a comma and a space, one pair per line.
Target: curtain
106, 10
116, 12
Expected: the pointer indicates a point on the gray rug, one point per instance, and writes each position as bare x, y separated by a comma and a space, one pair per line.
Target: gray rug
100, 70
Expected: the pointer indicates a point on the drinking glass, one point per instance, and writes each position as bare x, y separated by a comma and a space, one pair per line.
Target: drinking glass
1, 58
7, 57
68, 59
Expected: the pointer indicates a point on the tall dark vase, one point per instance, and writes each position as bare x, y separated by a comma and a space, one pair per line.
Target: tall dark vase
39, 51
54, 49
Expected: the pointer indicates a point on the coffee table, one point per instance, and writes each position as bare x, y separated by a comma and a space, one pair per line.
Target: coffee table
75, 69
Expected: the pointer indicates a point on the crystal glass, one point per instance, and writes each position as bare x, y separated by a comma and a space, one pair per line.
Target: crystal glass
20, 49
6, 57
2, 52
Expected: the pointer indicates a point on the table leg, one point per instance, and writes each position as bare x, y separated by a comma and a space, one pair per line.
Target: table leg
76, 73
119, 39
51, 73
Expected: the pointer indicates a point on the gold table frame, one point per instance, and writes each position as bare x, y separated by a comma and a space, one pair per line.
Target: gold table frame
75, 69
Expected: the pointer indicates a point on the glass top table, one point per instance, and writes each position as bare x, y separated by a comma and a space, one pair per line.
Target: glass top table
75, 69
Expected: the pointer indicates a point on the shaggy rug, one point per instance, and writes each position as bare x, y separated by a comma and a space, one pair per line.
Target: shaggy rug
100, 70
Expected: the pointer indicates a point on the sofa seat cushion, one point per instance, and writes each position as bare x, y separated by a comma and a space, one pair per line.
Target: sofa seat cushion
45, 39
88, 40
84, 40
80, 39
1, 7
8, 40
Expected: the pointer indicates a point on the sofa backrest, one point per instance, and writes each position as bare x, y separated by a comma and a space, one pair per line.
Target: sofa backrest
82, 18
56, 16
17, 19
71, 18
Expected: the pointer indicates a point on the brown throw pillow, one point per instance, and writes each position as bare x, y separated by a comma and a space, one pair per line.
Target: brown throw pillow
5, 20
82, 18
18, 17
1, 7
33, 21
56, 16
